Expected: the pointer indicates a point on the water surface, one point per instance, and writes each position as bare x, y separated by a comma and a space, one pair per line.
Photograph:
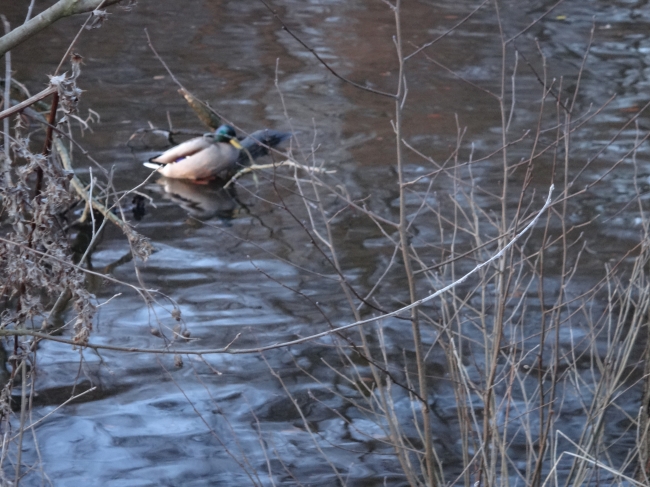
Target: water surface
241, 267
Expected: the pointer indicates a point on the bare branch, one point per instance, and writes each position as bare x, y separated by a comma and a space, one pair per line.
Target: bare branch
21, 106
61, 9
322, 61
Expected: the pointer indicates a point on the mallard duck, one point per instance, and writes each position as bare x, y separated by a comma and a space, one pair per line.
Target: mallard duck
199, 158
215, 155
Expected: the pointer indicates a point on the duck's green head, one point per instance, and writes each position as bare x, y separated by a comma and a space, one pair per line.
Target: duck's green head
227, 135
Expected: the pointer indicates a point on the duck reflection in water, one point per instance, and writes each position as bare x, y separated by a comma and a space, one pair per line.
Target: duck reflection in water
201, 201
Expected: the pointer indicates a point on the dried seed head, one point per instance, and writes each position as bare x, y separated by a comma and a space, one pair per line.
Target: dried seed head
176, 314
178, 361
98, 19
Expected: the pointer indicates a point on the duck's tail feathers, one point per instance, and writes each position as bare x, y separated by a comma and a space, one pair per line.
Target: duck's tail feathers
255, 145
152, 165
272, 138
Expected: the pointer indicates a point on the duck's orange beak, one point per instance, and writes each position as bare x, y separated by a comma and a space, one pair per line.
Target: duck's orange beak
236, 143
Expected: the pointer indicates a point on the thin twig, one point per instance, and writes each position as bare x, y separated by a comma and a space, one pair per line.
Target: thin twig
534, 22
30, 101
449, 31
7, 96
259, 167
79, 268
7, 332
76, 37
153, 49
321, 60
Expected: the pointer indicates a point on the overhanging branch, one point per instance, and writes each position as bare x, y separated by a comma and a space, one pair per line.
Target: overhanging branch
61, 9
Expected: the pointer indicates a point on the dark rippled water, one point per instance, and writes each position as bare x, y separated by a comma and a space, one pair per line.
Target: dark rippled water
232, 260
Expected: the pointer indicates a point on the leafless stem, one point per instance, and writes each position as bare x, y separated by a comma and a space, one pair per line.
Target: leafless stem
61, 9
7, 101
30, 101
320, 60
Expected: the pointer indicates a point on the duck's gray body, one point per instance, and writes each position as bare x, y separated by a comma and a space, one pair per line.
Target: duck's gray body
199, 158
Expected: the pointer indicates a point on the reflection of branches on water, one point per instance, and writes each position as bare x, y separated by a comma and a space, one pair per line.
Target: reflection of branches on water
139, 244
